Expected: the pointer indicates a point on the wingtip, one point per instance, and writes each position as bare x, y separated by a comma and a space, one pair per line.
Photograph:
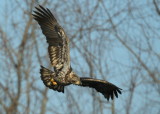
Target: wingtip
116, 94
120, 88
40, 6
37, 7
119, 91
106, 96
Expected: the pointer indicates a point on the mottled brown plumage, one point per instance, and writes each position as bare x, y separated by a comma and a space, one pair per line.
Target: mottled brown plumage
59, 55
58, 48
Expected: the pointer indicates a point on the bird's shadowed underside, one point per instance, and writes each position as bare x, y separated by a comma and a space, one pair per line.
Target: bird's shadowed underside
59, 55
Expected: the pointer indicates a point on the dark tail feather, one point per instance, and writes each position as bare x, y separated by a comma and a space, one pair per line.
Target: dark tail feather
46, 76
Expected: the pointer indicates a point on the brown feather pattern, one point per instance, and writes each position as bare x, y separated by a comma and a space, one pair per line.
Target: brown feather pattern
58, 48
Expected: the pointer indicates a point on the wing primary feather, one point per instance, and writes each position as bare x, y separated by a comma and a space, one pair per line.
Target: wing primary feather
36, 17
42, 11
106, 96
115, 92
119, 90
112, 95
40, 15
51, 15
47, 12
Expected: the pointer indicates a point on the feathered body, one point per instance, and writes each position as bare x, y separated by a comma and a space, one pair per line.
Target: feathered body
59, 55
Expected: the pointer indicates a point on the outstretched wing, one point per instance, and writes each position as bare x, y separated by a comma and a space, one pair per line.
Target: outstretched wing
58, 48
104, 87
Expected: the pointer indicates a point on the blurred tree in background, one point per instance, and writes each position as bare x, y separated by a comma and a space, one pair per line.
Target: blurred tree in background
115, 40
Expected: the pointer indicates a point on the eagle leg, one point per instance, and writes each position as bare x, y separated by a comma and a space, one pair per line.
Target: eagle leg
53, 82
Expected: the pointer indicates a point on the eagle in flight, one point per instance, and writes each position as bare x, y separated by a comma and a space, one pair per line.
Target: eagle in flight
59, 55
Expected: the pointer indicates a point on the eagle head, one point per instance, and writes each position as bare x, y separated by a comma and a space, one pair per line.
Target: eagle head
74, 79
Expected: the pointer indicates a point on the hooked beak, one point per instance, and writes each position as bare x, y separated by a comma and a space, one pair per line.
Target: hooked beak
78, 83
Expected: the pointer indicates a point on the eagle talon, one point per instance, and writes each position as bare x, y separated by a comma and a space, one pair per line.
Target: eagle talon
53, 82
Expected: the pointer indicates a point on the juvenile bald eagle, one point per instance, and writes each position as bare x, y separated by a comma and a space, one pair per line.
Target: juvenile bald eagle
59, 54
